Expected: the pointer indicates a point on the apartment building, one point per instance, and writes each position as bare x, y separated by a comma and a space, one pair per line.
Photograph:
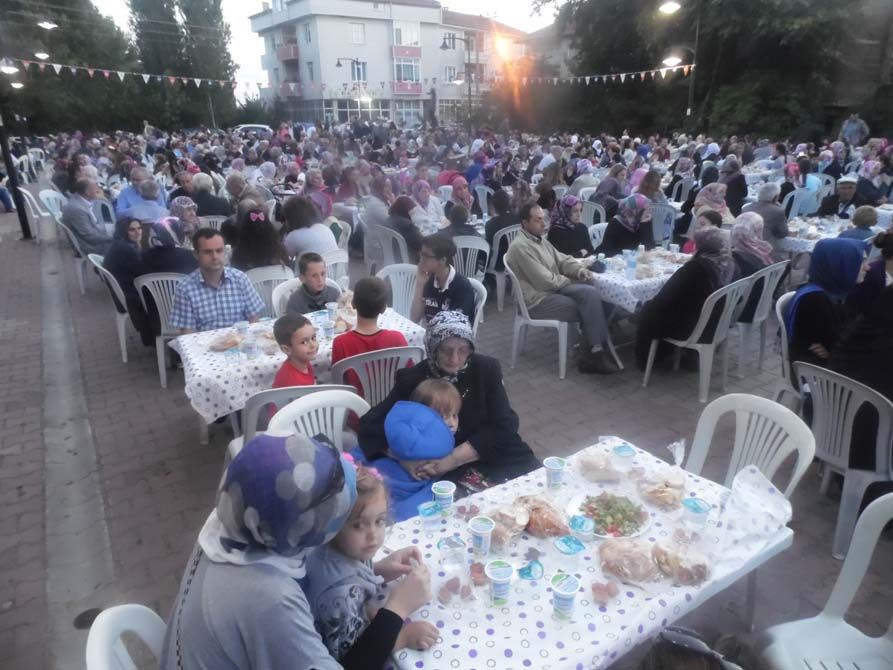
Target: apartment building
335, 59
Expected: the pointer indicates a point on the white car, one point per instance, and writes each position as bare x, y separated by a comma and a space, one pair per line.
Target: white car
256, 128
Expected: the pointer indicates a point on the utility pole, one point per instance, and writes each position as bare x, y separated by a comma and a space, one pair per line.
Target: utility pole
12, 175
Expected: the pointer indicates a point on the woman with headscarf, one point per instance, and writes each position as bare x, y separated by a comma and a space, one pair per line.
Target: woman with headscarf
713, 198
583, 177
736, 185
816, 315
675, 310
258, 245
185, 211
461, 195
707, 153
797, 176
566, 231
684, 168
838, 160
241, 603
400, 221
315, 190
751, 254
265, 175
124, 261
521, 195
349, 189
488, 448
629, 228
377, 206
165, 253
479, 159
638, 174
428, 215
611, 190
869, 183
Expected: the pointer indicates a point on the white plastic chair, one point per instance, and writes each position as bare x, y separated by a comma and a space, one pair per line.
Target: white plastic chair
35, 212
343, 236
535, 179
827, 640
80, 258
560, 191
484, 193
828, 187
103, 211
793, 202
523, 321
480, 299
283, 290
597, 234
468, 261
376, 370
836, 400
508, 234
445, 193
402, 278
251, 413
267, 278
23, 169
318, 413
54, 202
212, 221
38, 160
663, 217
105, 649
586, 192
733, 294
338, 267
592, 213
770, 275
393, 246
119, 302
786, 384
162, 286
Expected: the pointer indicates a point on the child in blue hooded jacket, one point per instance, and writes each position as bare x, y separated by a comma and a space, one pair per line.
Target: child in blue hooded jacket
421, 428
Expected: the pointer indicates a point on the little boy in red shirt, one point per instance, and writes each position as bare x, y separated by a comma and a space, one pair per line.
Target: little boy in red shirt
296, 337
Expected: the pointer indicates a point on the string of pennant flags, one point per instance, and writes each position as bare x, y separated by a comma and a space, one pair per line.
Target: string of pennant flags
306, 87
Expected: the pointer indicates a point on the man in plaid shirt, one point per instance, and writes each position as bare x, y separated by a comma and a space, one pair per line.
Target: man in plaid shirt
214, 296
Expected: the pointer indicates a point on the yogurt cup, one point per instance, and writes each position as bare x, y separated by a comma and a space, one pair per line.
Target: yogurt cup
564, 592
481, 528
674, 248
500, 575
429, 512
695, 511
555, 467
241, 327
582, 527
443, 495
622, 457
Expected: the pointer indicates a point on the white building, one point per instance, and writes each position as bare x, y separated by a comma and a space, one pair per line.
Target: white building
392, 63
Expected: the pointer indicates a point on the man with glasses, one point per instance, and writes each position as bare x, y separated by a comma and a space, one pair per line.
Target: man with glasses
439, 288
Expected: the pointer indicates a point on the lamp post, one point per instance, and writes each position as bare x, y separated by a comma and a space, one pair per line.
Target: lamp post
445, 47
11, 174
672, 7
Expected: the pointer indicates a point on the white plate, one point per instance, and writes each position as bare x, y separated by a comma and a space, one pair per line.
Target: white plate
576, 503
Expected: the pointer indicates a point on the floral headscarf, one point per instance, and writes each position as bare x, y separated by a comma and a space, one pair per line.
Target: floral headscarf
281, 496
870, 170
712, 196
839, 150
792, 172
637, 178
468, 200
562, 217
166, 233
418, 188
442, 326
747, 236
713, 247
631, 209
685, 167
584, 166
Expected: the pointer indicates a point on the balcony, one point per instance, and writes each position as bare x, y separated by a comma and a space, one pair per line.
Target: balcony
406, 88
286, 90
406, 52
287, 52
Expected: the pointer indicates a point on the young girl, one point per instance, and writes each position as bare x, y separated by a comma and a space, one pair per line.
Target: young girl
342, 582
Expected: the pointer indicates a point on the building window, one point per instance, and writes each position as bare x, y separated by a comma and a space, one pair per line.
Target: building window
307, 33
450, 40
407, 112
358, 71
310, 76
407, 69
276, 76
406, 34
449, 73
278, 5
377, 6
357, 33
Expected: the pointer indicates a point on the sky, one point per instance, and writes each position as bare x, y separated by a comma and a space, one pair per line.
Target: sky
247, 47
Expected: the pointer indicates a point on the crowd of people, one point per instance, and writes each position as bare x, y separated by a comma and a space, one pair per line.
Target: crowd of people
296, 576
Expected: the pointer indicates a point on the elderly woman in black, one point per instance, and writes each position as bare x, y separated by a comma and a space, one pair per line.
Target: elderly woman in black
488, 448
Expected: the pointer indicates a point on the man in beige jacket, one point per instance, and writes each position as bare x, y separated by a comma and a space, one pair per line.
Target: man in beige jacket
555, 286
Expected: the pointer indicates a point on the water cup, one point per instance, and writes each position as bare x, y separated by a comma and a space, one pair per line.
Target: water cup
241, 327
601, 257
500, 575
695, 512
564, 592
249, 348
674, 248
481, 528
452, 552
429, 512
443, 496
582, 527
332, 310
622, 457
328, 329
641, 249
554, 471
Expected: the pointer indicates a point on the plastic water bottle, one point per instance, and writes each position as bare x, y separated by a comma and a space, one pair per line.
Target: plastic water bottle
632, 263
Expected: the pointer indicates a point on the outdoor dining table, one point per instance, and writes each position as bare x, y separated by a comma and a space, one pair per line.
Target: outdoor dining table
220, 382
809, 231
753, 176
617, 289
524, 633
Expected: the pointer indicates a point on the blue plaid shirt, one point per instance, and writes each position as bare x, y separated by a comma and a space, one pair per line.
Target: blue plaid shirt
200, 306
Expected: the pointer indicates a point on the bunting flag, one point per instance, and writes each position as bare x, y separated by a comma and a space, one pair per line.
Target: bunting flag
146, 78
120, 75
42, 66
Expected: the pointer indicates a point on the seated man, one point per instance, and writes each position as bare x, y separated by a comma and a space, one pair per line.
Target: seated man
147, 210
208, 204
843, 203
439, 288
78, 215
775, 223
548, 280
864, 219
130, 195
214, 296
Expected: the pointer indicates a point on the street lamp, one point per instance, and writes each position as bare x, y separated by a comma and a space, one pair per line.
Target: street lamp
446, 46
669, 7
42, 55
48, 25
16, 84
7, 67
672, 60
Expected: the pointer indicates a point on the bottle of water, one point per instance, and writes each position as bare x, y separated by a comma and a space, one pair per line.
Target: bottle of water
632, 263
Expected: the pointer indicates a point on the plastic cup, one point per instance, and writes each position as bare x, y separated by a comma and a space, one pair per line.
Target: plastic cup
554, 471
249, 348
500, 576
241, 327
332, 310
695, 512
481, 528
429, 512
622, 457
443, 496
641, 249
582, 527
328, 329
564, 592
674, 248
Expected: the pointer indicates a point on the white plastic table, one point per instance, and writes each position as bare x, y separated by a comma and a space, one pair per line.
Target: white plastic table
524, 634
219, 383
615, 288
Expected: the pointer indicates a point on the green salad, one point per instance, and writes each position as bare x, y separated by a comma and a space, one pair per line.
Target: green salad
616, 516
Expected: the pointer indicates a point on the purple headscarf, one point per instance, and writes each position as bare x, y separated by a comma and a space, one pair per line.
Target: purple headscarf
562, 218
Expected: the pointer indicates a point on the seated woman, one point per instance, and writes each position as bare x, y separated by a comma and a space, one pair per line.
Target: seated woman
705, 220
259, 244
567, 233
380, 201
185, 211
488, 448
685, 168
429, 213
709, 175
751, 254
611, 190
736, 185
816, 315
124, 262
521, 195
675, 310
797, 175
503, 218
458, 218
241, 603
713, 198
873, 279
400, 221
864, 219
302, 229
629, 228
165, 253
547, 199
348, 189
